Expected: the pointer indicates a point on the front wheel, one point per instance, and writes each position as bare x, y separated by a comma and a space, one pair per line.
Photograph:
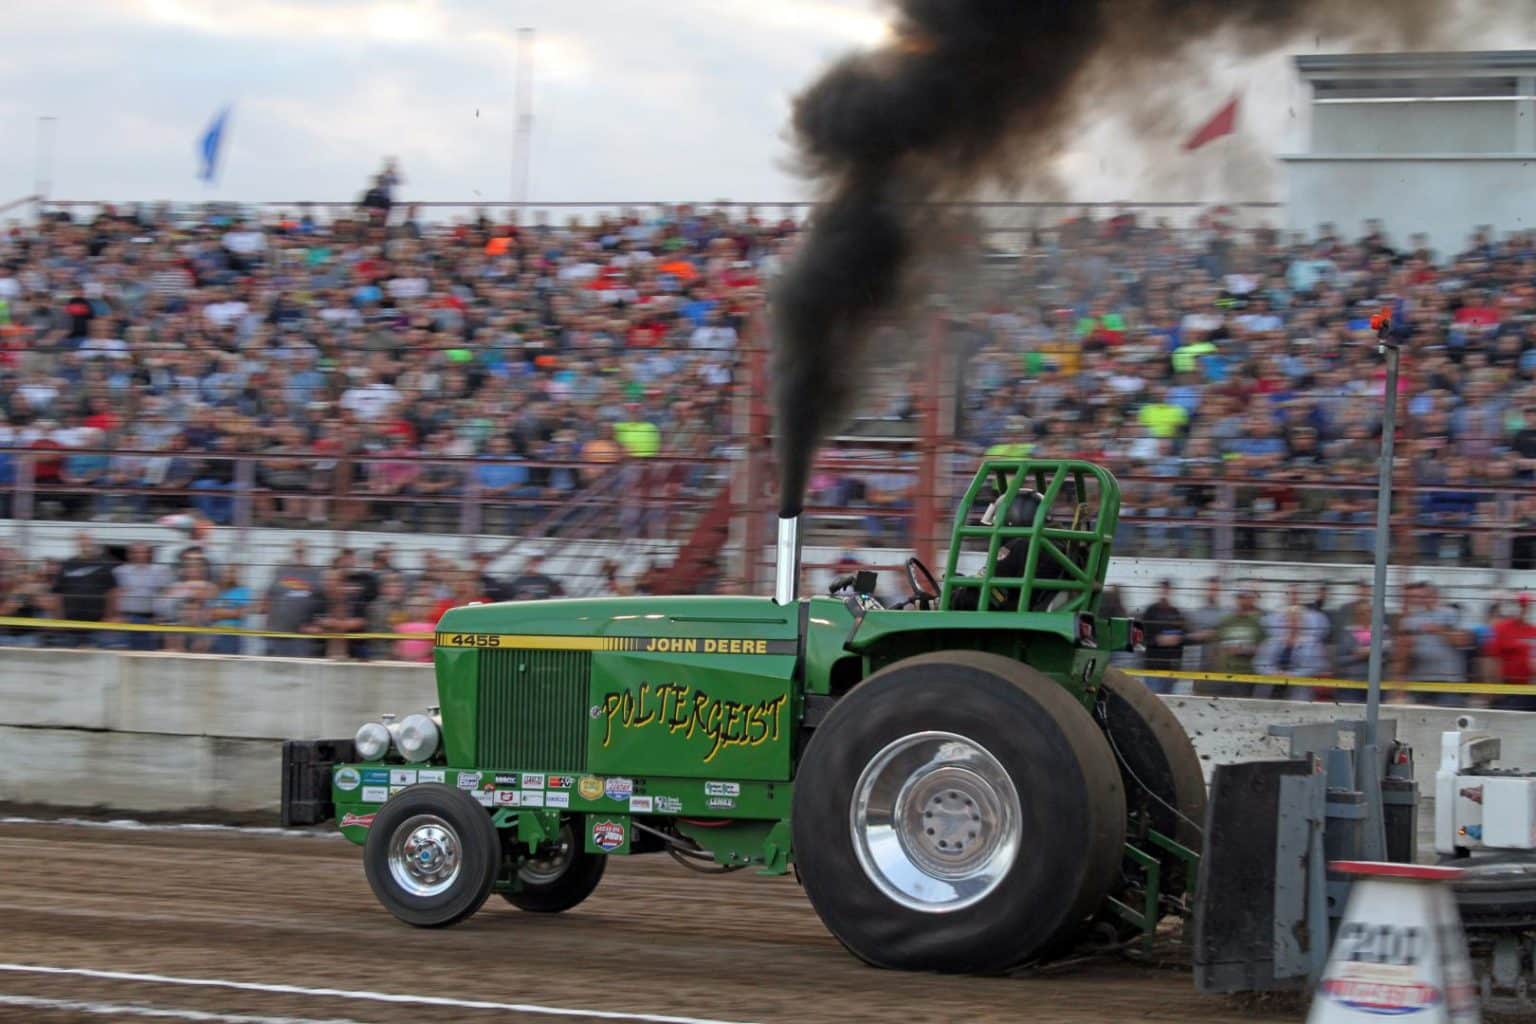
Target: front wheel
560, 877
957, 811
432, 855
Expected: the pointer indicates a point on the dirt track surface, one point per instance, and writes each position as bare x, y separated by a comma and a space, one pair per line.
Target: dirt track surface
655, 939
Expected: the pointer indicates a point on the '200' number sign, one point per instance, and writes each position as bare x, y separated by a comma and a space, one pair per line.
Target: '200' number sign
1400, 945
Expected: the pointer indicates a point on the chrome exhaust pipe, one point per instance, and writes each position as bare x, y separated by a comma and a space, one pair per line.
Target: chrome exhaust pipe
786, 578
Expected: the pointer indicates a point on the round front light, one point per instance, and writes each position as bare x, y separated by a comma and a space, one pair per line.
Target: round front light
417, 738
371, 742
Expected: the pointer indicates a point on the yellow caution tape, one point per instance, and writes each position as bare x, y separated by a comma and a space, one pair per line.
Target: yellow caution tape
1325, 683
1143, 673
147, 627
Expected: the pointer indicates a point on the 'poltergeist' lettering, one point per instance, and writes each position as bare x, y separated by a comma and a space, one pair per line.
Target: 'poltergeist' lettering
704, 645
682, 709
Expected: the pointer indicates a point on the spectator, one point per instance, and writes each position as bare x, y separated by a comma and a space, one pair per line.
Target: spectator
1352, 632
391, 607
1433, 642
85, 589
1293, 647
292, 603
533, 584
1200, 653
1510, 647
140, 585
1166, 633
466, 590
228, 610
341, 610
1237, 639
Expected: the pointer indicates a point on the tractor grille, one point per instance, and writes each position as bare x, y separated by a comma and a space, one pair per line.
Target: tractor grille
533, 710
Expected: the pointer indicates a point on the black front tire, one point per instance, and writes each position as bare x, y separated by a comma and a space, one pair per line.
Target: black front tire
448, 818
1071, 807
541, 890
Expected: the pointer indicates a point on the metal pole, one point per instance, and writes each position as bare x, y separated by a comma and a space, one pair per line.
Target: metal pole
1369, 766
44, 156
522, 139
1383, 542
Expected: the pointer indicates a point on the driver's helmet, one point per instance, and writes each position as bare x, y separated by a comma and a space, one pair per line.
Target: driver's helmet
1021, 511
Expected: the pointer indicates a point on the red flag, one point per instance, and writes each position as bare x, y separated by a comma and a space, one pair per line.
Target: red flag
1223, 123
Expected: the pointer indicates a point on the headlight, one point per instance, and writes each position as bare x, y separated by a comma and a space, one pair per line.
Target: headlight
371, 742
417, 738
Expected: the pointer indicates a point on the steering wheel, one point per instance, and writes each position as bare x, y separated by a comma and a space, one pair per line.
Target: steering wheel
924, 595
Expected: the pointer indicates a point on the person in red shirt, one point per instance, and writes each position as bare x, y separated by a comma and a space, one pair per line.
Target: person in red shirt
1511, 645
466, 590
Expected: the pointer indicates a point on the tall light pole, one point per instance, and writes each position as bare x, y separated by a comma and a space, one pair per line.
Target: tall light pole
44, 166
522, 139
1370, 759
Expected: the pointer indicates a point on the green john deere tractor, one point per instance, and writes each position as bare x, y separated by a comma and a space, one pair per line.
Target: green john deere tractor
960, 783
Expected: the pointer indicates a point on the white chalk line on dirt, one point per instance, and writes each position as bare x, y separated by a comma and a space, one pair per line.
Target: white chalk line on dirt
358, 994
129, 825
120, 1010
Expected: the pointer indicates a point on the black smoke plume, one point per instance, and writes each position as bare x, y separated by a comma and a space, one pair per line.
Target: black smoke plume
979, 91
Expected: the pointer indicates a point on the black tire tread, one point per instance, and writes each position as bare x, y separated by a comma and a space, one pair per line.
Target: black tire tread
886, 935
578, 882
480, 864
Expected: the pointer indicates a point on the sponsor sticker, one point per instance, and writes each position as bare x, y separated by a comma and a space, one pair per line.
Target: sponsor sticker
668, 805
557, 799
348, 778
402, 776
431, 775
349, 819
1382, 998
506, 797
560, 781
640, 805
483, 797
375, 776
469, 780
397, 790
722, 789
533, 798
619, 789
607, 835
375, 794
721, 803
590, 787
505, 780
531, 781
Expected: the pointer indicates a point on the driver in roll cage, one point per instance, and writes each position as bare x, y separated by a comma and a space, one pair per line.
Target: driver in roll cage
1012, 557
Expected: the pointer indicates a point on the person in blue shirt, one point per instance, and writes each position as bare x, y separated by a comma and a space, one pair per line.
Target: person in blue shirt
501, 476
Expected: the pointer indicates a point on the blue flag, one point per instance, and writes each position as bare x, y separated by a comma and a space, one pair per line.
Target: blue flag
208, 145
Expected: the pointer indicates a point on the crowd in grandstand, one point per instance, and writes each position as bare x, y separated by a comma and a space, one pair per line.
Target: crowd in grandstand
331, 354
1250, 356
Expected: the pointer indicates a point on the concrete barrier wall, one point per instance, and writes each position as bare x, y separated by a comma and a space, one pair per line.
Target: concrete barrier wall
167, 732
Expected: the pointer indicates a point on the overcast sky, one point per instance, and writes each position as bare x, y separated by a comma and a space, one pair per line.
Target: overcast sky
632, 101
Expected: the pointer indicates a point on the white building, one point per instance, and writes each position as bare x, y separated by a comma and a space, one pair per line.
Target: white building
1438, 143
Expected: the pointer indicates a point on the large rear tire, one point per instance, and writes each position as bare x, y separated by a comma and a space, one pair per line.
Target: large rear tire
1164, 784
432, 855
561, 878
956, 812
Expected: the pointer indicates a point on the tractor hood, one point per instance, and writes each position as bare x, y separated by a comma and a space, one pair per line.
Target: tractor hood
630, 623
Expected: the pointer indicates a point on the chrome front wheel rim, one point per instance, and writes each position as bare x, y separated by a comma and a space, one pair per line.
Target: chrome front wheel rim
425, 855
935, 821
